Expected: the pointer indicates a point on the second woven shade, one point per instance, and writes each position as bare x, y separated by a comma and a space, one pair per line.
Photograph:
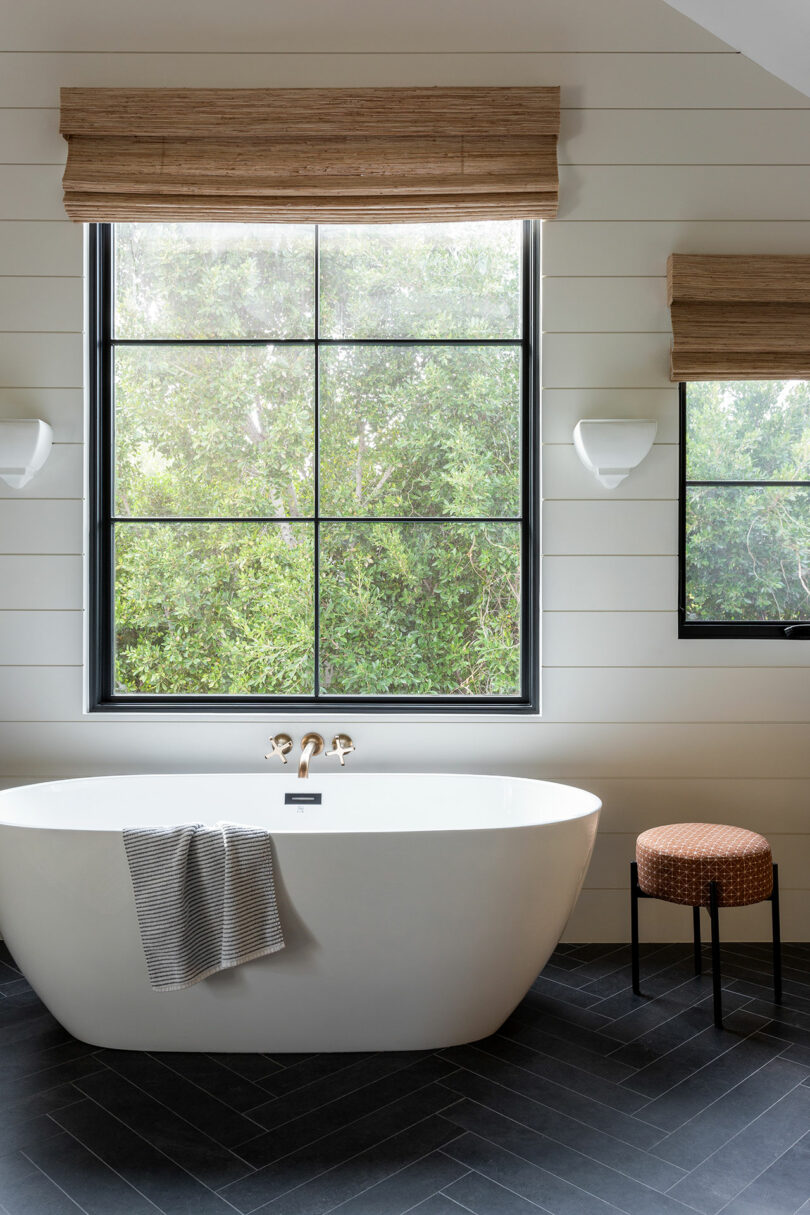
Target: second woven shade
739, 317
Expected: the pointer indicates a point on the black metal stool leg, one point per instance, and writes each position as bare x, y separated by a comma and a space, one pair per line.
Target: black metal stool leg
715, 919
696, 935
777, 939
634, 926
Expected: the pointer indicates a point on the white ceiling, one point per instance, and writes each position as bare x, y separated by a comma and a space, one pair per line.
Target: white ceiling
774, 33
345, 26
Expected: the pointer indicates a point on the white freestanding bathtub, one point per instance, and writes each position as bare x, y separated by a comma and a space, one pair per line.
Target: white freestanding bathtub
417, 909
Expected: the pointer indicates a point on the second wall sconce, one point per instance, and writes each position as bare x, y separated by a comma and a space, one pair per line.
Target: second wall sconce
611, 447
25, 444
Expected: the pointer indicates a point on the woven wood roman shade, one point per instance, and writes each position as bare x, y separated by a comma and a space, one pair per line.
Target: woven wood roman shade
739, 317
357, 155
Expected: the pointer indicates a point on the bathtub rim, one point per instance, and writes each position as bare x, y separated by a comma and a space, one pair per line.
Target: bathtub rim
592, 804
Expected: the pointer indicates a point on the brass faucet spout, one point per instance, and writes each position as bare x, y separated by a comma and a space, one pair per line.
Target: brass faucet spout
311, 744
303, 763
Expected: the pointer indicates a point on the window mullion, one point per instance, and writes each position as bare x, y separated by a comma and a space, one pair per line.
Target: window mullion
317, 474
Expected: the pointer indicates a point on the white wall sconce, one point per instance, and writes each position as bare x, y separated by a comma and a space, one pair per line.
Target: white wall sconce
611, 447
25, 444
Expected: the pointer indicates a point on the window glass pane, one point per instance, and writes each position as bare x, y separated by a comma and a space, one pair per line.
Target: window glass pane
748, 430
214, 607
214, 280
420, 280
747, 553
420, 609
418, 430
217, 430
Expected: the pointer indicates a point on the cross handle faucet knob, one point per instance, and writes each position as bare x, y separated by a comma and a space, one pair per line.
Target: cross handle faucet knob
342, 745
281, 745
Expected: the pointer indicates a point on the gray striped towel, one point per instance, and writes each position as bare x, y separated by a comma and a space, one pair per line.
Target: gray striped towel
205, 899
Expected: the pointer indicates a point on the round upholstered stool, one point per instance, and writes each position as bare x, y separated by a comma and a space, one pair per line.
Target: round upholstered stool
705, 865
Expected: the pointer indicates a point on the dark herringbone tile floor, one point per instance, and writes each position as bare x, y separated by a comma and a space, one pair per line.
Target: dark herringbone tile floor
588, 1101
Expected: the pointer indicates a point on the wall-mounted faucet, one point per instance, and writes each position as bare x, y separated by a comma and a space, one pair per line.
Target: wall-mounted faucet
311, 745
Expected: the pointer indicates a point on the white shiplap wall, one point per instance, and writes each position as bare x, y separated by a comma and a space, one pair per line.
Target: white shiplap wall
670, 141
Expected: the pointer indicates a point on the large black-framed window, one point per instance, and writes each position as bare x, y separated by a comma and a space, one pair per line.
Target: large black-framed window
111, 530
744, 525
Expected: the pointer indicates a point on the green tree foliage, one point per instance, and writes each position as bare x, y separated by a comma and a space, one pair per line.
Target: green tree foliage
416, 432
748, 547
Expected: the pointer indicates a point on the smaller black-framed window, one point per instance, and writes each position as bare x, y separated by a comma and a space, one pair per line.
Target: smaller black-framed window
744, 518
497, 331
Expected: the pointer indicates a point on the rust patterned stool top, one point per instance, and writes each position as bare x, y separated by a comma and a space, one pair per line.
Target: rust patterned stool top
677, 863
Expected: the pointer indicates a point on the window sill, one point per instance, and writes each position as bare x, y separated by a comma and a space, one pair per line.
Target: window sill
380, 717
394, 715
722, 630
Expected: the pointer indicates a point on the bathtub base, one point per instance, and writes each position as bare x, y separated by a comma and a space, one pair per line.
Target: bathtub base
384, 1031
